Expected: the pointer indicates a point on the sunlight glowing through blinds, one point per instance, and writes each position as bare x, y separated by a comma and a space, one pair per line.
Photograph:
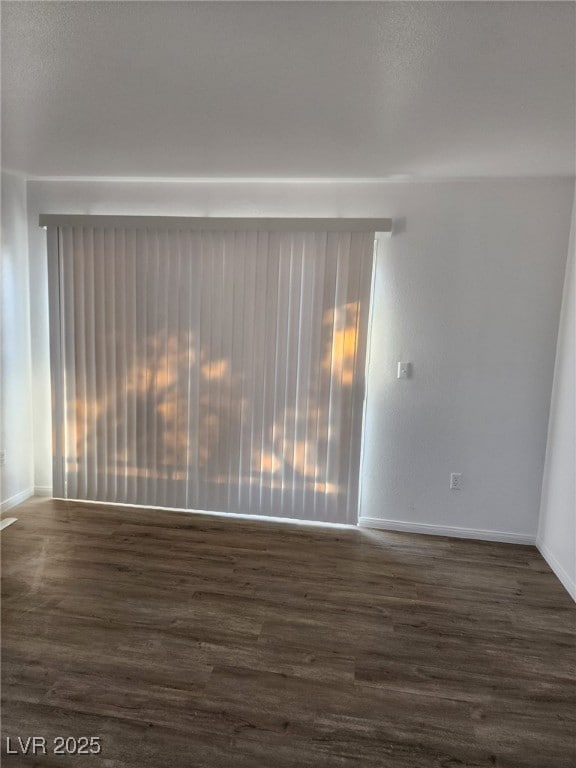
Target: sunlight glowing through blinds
210, 370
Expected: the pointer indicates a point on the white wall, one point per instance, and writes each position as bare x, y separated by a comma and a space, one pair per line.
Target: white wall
557, 529
468, 289
470, 293
16, 476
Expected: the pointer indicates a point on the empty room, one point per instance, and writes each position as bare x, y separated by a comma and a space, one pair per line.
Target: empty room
288, 429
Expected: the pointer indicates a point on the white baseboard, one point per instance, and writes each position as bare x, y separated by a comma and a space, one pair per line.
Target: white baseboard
18, 498
567, 582
446, 530
42, 490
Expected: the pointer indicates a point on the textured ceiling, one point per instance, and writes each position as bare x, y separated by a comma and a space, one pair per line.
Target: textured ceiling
288, 89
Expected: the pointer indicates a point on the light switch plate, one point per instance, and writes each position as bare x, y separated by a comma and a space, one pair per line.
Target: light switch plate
404, 370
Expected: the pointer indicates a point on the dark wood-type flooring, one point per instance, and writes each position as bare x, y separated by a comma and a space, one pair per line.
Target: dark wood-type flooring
187, 640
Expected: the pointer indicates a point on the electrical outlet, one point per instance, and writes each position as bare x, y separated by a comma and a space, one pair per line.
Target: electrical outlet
456, 481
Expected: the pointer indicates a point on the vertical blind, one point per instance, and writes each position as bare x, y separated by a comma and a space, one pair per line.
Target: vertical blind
210, 370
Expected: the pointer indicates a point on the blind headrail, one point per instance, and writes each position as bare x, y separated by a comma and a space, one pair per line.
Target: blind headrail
213, 223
